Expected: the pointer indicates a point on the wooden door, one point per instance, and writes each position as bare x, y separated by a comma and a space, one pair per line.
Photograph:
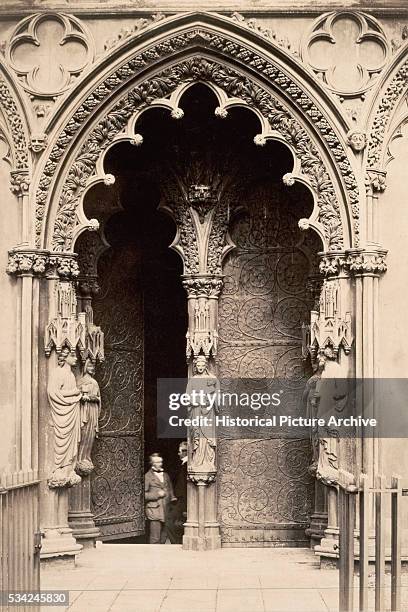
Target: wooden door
117, 482
264, 489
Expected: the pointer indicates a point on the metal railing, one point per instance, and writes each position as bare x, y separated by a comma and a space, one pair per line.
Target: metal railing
347, 503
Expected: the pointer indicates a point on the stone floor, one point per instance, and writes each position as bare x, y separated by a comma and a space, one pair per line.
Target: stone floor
143, 578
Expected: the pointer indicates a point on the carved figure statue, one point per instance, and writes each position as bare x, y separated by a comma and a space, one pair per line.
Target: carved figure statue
202, 439
90, 411
310, 401
64, 398
332, 393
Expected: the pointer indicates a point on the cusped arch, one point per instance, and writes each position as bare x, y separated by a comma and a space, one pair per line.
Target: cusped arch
149, 71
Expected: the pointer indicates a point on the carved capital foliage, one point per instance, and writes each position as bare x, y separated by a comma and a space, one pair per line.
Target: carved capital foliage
201, 478
366, 262
354, 262
19, 182
26, 261
376, 181
235, 84
203, 286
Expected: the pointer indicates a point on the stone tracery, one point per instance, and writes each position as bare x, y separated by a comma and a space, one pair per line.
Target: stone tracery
239, 87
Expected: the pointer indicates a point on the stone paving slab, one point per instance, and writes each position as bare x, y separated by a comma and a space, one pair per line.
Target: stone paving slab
154, 578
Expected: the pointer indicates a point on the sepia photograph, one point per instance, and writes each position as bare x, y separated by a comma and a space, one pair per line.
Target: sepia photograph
204, 305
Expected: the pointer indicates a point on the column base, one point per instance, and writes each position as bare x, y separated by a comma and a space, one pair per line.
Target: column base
317, 528
328, 549
83, 528
193, 541
59, 543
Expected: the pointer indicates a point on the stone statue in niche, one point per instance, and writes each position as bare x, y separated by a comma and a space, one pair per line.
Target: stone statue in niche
202, 389
65, 401
90, 411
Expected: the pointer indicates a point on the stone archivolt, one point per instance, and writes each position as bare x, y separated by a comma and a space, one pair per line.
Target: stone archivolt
16, 129
235, 84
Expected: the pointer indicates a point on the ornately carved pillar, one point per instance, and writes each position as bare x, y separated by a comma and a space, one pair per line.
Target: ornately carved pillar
51, 291
330, 344
202, 528
80, 516
201, 213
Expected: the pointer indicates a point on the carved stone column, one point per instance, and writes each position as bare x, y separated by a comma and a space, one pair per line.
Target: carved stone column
202, 528
80, 516
201, 212
330, 343
51, 289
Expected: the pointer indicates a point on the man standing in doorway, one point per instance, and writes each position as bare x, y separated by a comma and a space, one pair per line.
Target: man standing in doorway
158, 495
177, 515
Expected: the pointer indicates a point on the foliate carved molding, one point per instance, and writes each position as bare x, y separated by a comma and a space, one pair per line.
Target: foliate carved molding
232, 82
339, 64
355, 262
70, 46
25, 261
379, 132
253, 24
140, 25
15, 125
367, 262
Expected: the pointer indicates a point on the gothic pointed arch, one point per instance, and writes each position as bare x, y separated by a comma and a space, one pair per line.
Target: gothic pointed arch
150, 68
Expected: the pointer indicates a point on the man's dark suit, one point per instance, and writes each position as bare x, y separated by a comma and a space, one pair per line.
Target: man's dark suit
156, 506
178, 511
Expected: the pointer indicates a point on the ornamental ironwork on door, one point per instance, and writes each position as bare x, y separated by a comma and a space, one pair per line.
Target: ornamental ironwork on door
117, 491
264, 489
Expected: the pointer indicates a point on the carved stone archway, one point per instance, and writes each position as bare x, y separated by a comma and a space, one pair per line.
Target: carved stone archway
153, 69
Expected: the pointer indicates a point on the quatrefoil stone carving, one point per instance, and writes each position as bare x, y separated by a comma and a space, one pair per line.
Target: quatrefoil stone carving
347, 50
48, 51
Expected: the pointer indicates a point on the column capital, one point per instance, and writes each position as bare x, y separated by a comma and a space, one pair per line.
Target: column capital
23, 261
19, 182
203, 285
376, 181
366, 262
353, 262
